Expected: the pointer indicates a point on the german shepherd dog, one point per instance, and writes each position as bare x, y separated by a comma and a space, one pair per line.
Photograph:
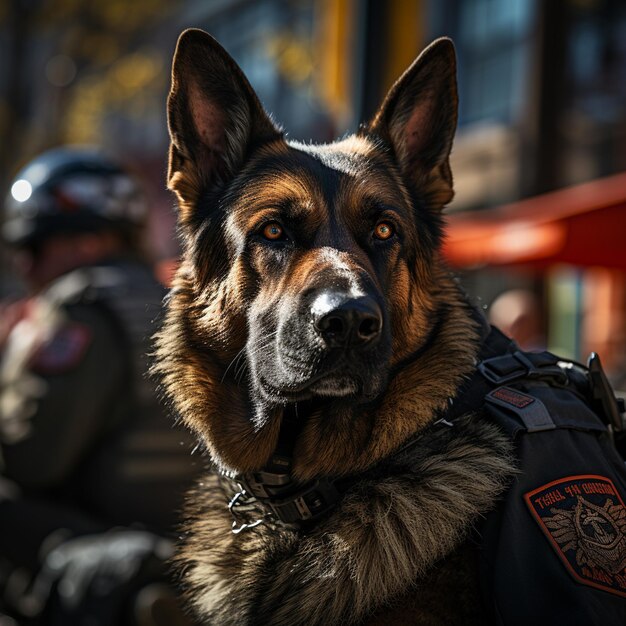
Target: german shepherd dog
312, 315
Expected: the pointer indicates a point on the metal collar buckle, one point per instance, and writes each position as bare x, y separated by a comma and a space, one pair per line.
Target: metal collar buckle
264, 484
308, 503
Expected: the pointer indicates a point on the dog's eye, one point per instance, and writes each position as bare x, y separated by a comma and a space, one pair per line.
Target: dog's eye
273, 231
383, 230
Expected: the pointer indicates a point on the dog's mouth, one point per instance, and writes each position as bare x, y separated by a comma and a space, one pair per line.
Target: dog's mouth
325, 385
336, 386
343, 380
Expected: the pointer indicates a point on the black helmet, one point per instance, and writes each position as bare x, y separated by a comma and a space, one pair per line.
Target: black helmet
71, 190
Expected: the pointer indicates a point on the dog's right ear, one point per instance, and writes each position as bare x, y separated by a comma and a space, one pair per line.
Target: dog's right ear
418, 118
214, 118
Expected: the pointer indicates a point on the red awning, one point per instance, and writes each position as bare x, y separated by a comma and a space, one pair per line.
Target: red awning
581, 225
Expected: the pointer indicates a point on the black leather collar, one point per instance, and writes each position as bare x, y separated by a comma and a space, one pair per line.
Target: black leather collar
280, 497
272, 494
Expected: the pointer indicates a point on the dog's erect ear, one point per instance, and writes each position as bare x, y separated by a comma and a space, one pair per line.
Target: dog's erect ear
214, 116
418, 116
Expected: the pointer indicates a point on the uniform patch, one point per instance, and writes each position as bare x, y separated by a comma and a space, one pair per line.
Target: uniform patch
511, 396
63, 351
584, 519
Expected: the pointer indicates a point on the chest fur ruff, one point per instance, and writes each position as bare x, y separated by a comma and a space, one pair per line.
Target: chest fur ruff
385, 536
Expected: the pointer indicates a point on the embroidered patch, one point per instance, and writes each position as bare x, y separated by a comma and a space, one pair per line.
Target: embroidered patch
63, 351
512, 397
584, 519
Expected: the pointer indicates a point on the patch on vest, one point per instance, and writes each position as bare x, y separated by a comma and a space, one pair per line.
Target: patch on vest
584, 518
511, 396
63, 351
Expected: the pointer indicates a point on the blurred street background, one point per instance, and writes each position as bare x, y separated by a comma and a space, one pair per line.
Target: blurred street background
538, 225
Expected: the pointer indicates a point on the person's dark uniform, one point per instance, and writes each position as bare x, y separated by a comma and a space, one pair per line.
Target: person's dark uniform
93, 472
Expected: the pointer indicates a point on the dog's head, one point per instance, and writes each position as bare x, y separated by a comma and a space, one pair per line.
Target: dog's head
310, 273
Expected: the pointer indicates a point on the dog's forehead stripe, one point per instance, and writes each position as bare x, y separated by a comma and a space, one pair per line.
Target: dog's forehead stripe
352, 157
362, 178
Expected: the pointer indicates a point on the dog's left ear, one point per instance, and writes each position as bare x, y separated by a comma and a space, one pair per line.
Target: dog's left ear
214, 116
419, 114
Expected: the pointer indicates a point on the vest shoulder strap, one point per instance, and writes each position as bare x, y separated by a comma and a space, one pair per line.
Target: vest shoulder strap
537, 391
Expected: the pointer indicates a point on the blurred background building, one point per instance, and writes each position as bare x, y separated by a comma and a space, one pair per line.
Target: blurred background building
539, 160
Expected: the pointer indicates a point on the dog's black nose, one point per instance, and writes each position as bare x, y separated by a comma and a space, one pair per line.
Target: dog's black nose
345, 321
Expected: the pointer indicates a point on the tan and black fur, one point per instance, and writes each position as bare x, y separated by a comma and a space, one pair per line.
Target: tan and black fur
242, 341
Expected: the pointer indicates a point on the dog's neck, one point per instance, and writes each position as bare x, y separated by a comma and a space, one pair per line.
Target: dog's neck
388, 531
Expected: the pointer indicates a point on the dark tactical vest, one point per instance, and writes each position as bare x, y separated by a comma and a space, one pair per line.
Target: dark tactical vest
139, 466
554, 551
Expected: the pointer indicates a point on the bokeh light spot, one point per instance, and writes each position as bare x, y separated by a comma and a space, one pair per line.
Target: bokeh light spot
21, 190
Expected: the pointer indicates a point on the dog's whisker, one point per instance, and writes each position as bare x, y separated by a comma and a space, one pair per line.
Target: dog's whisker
241, 353
237, 356
240, 370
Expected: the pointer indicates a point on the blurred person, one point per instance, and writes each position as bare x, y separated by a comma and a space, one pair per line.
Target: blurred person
517, 313
92, 474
